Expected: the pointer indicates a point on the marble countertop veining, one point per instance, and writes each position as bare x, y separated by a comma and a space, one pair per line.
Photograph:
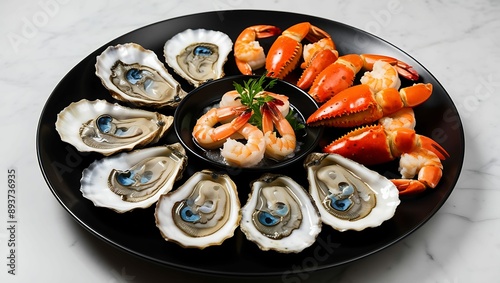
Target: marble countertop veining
458, 41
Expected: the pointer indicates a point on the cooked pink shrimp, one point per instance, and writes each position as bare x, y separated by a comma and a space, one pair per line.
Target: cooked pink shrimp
277, 147
403, 118
248, 53
383, 76
423, 162
209, 137
248, 154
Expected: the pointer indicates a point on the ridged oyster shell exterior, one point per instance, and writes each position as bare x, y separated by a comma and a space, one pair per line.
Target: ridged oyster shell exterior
134, 74
134, 179
204, 211
349, 196
280, 215
198, 55
107, 128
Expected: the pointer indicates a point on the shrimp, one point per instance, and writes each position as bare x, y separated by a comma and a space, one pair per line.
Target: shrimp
403, 118
383, 76
248, 53
210, 137
232, 98
277, 147
419, 160
423, 162
248, 154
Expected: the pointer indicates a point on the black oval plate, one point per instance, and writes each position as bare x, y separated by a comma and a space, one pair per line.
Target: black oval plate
136, 232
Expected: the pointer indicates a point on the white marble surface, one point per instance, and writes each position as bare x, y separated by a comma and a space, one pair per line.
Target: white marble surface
457, 41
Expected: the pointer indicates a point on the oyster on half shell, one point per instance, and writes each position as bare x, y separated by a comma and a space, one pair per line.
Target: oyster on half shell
280, 215
198, 55
108, 128
133, 179
134, 74
204, 211
349, 196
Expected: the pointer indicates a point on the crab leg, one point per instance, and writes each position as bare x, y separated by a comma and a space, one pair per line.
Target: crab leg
376, 144
359, 105
321, 60
340, 75
285, 53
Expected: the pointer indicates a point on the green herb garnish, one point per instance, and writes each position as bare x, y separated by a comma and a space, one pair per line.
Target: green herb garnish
249, 97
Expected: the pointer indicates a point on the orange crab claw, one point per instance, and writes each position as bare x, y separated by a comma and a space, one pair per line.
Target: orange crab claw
372, 145
375, 145
285, 53
359, 105
341, 74
336, 77
367, 145
320, 61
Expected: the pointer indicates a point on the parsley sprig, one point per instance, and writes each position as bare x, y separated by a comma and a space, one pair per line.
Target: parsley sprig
250, 98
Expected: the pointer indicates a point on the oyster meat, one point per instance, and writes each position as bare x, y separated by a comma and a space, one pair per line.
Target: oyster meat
133, 179
203, 212
107, 128
280, 215
349, 195
134, 74
198, 55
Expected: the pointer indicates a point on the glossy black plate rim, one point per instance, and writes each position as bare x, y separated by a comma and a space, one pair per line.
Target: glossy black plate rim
443, 194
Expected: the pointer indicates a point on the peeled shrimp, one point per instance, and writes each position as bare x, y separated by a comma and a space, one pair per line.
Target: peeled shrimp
419, 161
248, 53
382, 76
403, 118
248, 154
277, 147
210, 137
422, 162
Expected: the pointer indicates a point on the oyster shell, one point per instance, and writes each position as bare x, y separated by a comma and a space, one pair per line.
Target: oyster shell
203, 212
134, 74
107, 128
133, 179
198, 55
349, 195
280, 215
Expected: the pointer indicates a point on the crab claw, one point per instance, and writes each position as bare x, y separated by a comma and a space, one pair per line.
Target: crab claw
341, 74
285, 53
375, 145
367, 145
372, 145
359, 105
319, 62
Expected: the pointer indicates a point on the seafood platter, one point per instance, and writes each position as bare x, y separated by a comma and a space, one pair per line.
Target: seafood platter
245, 147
